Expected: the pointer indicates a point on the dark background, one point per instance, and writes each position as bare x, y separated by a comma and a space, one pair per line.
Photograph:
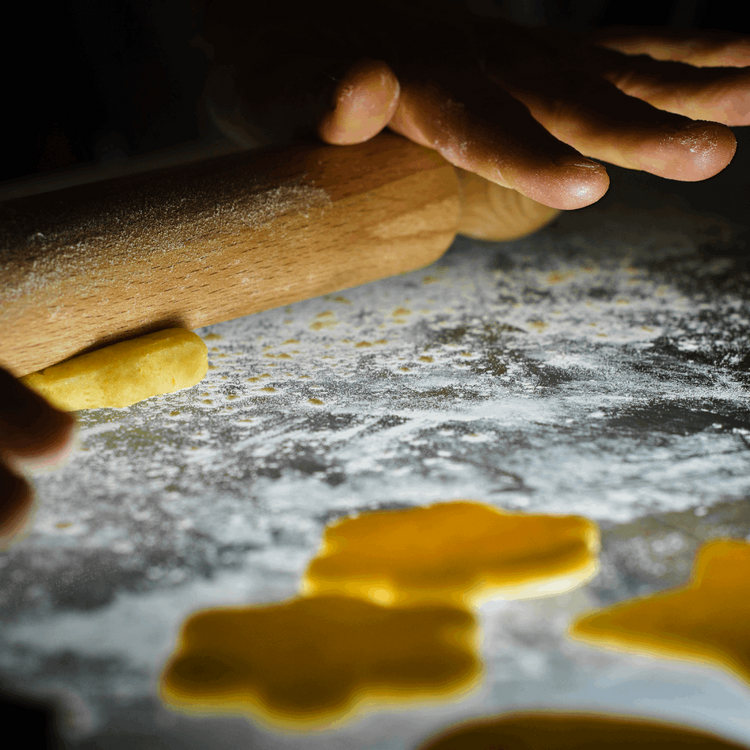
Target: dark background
88, 81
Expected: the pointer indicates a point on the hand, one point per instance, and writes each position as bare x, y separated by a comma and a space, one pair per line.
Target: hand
527, 109
32, 434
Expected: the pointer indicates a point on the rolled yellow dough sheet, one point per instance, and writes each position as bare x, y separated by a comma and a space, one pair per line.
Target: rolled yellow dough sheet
312, 662
704, 621
462, 552
562, 730
124, 373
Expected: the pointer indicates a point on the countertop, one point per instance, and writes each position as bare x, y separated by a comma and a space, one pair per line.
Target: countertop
598, 367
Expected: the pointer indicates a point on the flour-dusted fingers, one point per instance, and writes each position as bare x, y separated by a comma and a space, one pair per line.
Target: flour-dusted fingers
363, 103
718, 94
596, 118
16, 501
32, 431
526, 108
480, 128
698, 47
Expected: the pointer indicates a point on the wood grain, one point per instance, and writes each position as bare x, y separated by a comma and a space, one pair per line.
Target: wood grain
208, 242
493, 212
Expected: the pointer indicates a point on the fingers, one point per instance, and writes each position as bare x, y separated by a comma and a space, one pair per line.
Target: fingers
32, 433
16, 501
363, 103
599, 120
485, 131
718, 94
31, 430
696, 47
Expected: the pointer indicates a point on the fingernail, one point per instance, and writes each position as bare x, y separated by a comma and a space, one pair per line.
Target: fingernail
690, 125
581, 162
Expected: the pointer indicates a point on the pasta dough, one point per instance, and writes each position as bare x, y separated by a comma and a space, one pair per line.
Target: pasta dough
311, 662
704, 621
553, 730
124, 373
462, 552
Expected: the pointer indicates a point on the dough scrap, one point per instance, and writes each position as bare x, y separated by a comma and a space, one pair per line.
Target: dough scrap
557, 730
704, 621
313, 662
462, 553
123, 374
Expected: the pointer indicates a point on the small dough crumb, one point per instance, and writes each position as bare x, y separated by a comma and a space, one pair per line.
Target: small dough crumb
124, 373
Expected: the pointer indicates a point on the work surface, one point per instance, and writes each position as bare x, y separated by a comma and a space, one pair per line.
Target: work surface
598, 368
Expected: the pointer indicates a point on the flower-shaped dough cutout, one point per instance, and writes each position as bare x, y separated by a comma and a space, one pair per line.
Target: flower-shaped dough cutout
706, 621
313, 661
458, 552
550, 730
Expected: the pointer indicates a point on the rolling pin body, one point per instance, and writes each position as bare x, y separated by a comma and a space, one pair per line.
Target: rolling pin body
208, 242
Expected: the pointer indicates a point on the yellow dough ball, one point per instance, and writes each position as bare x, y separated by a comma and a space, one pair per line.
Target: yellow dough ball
124, 373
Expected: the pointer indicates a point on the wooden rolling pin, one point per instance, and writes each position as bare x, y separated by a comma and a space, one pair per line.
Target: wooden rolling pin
207, 242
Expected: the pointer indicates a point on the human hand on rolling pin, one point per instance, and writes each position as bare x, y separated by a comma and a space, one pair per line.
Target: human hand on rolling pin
32, 433
528, 109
